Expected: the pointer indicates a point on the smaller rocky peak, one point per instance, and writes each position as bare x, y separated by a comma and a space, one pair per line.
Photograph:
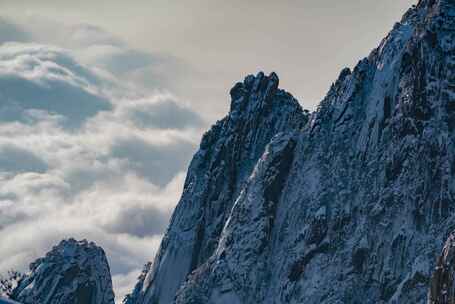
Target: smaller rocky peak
72, 272
344, 73
253, 93
255, 102
442, 284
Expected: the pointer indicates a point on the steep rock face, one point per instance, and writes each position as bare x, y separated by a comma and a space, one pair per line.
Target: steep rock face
138, 288
237, 271
353, 208
442, 286
73, 272
227, 155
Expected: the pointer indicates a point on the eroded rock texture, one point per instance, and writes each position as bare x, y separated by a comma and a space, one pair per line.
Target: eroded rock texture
442, 286
350, 204
73, 272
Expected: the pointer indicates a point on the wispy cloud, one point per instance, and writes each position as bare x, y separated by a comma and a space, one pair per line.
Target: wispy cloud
82, 152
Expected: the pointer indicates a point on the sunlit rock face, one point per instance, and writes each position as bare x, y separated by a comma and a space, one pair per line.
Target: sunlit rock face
350, 204
73, 272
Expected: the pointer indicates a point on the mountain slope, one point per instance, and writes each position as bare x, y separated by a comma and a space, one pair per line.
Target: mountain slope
227, 155
442, 287
352, 208
73, 272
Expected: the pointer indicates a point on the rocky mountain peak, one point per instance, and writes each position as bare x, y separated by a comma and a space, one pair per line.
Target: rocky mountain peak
72, 272
347, 208
258, 96
228, 153
260, 86
347, 205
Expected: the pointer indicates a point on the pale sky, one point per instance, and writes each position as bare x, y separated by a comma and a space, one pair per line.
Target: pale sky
306, 42
103, 103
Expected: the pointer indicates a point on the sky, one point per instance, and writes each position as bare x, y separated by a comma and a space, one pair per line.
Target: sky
103, 103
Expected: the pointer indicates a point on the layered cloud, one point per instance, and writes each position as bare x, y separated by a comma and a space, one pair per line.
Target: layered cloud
84, 151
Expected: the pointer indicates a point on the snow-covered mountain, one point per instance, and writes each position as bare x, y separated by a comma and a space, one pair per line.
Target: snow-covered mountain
73, 272
348, 205
442, 284
217, 173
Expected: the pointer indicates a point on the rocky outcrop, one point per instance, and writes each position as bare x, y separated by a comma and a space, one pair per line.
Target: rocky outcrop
73, 272
139, 287
231, 274
442, 285
227, 155
349, 207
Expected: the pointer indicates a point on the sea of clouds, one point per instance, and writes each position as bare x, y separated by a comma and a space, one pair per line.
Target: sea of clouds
93, 144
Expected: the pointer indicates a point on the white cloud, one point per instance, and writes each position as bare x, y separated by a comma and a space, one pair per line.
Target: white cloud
84, 155
141, 70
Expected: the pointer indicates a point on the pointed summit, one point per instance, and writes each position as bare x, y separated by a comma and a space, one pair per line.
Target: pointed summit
350, 207
72, 272
254, 93
217, 174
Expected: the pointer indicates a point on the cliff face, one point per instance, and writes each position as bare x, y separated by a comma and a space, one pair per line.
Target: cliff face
442, 285
350, 206
218, 171
73, 272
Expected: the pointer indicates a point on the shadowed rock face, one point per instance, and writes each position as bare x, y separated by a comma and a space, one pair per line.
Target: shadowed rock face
350, 206
227, 156
442, 285
73, 272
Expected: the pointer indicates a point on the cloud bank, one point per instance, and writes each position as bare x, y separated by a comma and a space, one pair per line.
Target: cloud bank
85, 151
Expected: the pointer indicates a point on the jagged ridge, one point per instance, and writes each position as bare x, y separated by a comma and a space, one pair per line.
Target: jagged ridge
227, 155
74, 272
361, 207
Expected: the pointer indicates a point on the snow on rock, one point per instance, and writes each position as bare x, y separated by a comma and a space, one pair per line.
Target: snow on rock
350, 206
442, 285
225, 160
130, 298
231, 275
75, 272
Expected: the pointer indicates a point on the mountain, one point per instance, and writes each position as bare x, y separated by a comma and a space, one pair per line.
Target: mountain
228, 153
350, 204
442, 284
73, 272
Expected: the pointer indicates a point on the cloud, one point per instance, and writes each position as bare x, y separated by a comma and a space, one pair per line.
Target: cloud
46, 78
158, 164
92, 45
16, 159
139, 220
83, 153
164, 114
